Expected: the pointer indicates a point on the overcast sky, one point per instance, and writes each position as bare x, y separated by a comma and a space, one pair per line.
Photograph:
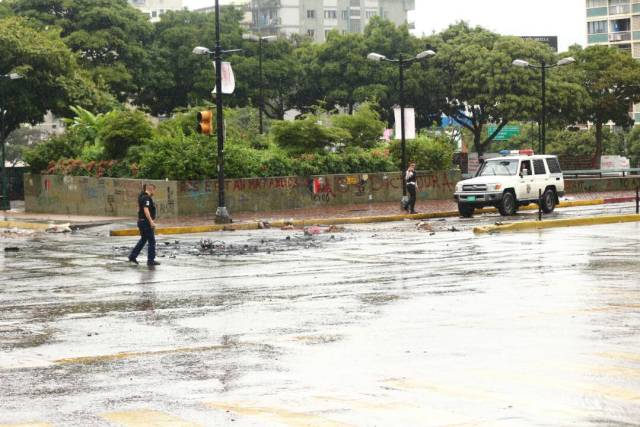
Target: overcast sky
563, 18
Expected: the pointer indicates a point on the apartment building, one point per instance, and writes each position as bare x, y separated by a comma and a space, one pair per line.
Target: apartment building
615, 23
155, 8
316, 18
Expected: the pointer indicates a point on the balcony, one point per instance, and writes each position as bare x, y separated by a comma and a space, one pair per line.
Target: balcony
620, 9
620, 37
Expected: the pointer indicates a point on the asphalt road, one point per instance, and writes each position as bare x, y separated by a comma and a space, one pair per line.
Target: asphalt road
380, 325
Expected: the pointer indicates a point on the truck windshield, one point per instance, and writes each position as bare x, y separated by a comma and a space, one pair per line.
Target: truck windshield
499, 167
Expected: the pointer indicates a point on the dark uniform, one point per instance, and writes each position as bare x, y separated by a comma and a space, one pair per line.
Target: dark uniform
411, 188
146, 231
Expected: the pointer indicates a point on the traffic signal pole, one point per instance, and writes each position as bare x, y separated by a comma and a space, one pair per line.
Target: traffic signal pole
222, 215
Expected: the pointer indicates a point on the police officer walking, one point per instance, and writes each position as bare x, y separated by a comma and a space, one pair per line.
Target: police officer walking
146, 225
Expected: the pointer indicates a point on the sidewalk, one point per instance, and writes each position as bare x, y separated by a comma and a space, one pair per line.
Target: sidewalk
322, 212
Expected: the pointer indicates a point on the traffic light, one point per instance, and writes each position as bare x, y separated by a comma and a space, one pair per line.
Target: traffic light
205, 122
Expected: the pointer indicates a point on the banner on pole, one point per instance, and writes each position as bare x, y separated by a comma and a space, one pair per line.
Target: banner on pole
228, 79
409, 123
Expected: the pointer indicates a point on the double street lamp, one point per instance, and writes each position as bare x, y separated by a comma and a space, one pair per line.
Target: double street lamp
6, 204
402, 62
543, 67
260, 40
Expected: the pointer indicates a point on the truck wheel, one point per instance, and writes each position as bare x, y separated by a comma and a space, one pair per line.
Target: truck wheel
548, 200
508, 206
466, 210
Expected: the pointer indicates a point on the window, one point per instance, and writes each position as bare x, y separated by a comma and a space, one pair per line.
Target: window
311, 33
154, 14
554, 165
525, 168
311, 14
345, 15
371, 13
538, 167
330, 14
620, 25
596, 3
597, 27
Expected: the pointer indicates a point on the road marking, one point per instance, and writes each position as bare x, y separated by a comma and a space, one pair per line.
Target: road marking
633, 357
88, 360
294, 419
34, 424
406, 384
146, 418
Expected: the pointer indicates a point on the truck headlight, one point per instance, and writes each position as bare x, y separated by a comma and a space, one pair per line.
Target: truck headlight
458, 188
494, 187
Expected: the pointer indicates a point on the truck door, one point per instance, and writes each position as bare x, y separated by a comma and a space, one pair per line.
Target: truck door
525, 181
540, 177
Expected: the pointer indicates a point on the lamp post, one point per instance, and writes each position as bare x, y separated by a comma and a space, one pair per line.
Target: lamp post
222, 215
6, 204
543, 67
260, 40
402, 62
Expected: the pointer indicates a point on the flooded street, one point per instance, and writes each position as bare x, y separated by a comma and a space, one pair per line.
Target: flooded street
379, 325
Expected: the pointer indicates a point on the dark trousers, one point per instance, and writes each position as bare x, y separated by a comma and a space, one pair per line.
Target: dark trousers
412, 197
146, 235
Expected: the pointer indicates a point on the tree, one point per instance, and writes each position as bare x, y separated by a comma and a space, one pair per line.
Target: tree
611, 78
478, 84
52, 79
110, 38
177, 77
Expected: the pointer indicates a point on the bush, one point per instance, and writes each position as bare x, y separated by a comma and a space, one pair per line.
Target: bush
178, 158
308, 135
364, 126
429, 153
75, 167
123, 129
52, 150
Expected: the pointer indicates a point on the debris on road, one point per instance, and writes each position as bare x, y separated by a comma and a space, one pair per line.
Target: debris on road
424, 226
11, 249
59, 228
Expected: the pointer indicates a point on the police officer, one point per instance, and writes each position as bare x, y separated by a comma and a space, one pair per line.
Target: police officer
146, 225
412, 187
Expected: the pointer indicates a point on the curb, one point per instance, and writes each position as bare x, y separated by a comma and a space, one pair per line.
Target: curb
330, 221
556, 223
25, 225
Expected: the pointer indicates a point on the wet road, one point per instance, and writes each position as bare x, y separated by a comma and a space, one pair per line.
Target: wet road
383, 325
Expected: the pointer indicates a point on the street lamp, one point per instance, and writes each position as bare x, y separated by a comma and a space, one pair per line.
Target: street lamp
6, 204
260, 40
222, 215
543, 67
401, 61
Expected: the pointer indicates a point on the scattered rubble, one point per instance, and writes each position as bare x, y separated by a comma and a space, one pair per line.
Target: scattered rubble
423, 225
59, 228
11, 249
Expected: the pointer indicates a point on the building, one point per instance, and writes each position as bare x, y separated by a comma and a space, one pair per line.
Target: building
244, 5
315, 18
615, 23
155, 8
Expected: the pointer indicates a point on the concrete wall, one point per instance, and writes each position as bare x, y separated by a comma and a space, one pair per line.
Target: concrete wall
81, 195
118, 197
590, 185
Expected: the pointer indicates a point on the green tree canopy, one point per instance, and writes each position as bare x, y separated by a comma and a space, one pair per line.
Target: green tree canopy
478, 84
110, 38
611, 79
177, 77
51, 79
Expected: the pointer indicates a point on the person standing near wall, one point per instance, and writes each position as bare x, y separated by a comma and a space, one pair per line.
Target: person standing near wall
412, 187
146, 225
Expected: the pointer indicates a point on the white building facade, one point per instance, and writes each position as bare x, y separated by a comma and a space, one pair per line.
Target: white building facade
615, 23
316, 18
156, 8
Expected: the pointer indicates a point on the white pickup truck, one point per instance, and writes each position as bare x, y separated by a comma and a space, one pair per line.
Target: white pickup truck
516, 179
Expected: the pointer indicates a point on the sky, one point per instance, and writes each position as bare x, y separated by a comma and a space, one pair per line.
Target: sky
563, 18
